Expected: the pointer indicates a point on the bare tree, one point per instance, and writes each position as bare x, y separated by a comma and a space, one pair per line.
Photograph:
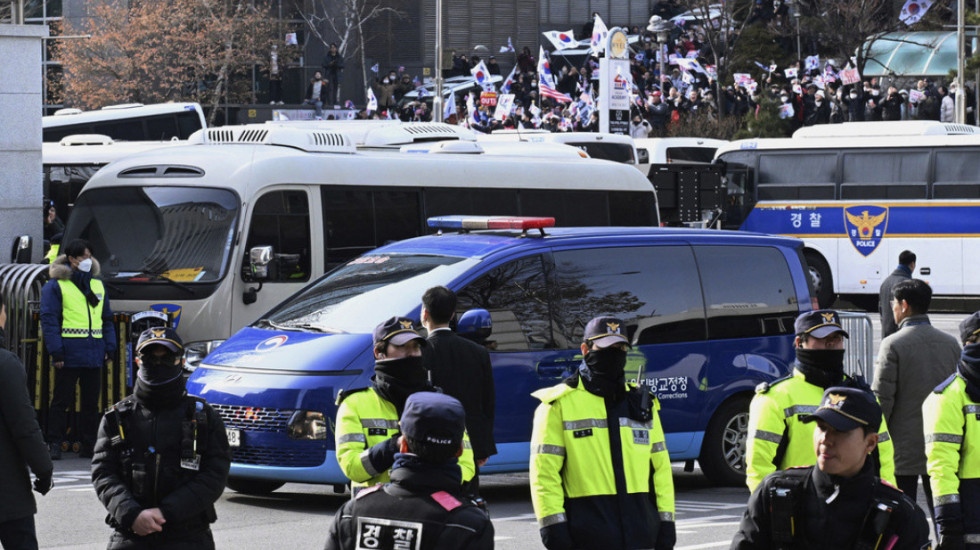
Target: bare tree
346, 20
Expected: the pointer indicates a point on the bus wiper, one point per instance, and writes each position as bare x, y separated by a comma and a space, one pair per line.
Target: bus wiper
292, 328
177, 284
114, 288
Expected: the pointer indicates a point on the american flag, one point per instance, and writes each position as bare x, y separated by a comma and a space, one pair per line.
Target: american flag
546, 83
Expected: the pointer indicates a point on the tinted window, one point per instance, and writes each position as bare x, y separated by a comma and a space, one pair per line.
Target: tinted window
358, 220
160, 127
888, 168
498, 202
188, 122
748, 291
281, 219
690, 154
516, 295
569, 208
654, 290
958, 165
632, 208
396, 215
798, 168
616, 152
121, 130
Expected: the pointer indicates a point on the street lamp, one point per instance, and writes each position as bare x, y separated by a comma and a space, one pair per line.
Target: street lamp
794, 11
660, 29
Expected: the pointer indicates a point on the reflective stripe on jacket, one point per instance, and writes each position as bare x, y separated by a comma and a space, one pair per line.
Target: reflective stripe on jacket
775, 414
572, 462
951, 424
78, 318
365, 419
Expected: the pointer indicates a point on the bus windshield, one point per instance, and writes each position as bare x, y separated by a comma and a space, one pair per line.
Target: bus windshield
183, 234
364, 292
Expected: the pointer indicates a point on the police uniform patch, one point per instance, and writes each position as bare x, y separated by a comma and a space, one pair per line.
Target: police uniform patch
641, 437
388, 533
582, 433
377, 431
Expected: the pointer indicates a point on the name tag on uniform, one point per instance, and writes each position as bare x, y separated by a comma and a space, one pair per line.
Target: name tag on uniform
377, 431
388, 533
582, 433
641, 437
191, 463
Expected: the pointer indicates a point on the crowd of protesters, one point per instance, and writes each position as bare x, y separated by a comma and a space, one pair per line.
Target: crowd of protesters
672, 96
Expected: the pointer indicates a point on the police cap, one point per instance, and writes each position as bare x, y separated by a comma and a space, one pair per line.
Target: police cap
163, 336
847, 408
970, 326
398, 331
434, 418
819, 323
603, 332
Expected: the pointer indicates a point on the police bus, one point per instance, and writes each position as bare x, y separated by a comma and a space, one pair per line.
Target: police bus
127, 122
220, 231
860, 193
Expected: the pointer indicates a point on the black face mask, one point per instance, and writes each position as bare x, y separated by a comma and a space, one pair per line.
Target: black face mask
158, 371
607, 363
396, 379
823, 367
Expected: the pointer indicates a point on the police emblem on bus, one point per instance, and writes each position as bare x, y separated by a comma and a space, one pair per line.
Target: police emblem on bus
865, 226
169, 309
271, 343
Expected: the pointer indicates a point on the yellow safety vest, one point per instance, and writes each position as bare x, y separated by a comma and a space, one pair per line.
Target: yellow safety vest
365, 419
951, 424
52, 254
775, 414
565, 464
78, 318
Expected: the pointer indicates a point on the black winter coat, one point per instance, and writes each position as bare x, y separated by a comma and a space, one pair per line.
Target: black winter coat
462, 369
885, 291
21, 442
834, 525
422, 494
185, 497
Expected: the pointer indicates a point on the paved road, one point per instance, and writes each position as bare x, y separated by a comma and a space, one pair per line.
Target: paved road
297, 516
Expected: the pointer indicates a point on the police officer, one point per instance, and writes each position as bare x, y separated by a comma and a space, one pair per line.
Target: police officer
162, 457
597, 445
423, 505
840, 503
951, 424
367, 418
79, 335
777, 438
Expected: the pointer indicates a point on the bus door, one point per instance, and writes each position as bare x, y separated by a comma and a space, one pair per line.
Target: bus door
278, 258
740, 197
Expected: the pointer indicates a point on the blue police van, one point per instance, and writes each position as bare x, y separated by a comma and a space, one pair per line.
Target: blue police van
709, 315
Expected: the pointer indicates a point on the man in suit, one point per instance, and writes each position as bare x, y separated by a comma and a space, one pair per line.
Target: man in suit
462, 369
906, 265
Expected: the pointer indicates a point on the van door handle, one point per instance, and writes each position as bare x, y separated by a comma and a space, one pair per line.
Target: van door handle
925, 271
555, 369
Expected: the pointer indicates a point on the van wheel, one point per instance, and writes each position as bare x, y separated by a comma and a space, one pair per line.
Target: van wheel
253, 486
723, 452
823, 283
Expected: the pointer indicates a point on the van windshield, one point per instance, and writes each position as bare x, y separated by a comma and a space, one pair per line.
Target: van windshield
364, 292
183, 234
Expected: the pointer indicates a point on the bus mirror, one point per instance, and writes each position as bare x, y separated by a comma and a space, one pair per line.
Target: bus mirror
643, 155
259, 259
475, 325
21, 251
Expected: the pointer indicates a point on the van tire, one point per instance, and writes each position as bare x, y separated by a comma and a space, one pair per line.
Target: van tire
253, 486
723, 451
820, 277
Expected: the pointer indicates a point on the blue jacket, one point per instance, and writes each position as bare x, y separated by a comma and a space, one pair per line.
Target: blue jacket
75, 352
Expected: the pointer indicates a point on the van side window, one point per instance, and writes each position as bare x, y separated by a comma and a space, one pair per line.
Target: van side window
281, 219
653, 289
516, 295
356, 220
748, 291
569, 208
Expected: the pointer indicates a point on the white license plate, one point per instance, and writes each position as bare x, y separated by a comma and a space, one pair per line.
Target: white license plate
234, 437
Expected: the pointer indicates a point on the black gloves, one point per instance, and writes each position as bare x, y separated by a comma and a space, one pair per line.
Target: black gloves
557, 536
43, 483
382, 455
666, 536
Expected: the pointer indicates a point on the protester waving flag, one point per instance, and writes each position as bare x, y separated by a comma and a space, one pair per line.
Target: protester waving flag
508, 48
913, 10
482, 75
791, 72
561, 40
375, 68
546, 82
450, 109
599, 34
505, 87
372, 102
812, 62
349, 104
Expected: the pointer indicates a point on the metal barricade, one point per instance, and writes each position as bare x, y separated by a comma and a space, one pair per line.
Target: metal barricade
859, 357
20, 285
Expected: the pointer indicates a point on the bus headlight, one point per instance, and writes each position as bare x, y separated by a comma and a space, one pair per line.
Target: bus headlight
195, 352
308, 425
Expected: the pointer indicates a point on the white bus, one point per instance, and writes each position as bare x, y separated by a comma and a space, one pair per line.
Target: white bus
127, 122
614, 147
220, 231
860, 193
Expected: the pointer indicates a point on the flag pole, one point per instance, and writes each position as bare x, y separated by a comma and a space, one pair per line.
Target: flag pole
960, 98
437, 100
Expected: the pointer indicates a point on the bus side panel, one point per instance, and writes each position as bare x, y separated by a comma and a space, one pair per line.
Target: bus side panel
971, 277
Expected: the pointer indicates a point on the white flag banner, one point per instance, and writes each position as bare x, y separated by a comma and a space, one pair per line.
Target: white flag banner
482, 75
792, 72
913, 10
599, 34
450, 109
535, 110
561, 40
505, 103
812, 62
916, 96
786, 110
850, 76
372, 101
741, 79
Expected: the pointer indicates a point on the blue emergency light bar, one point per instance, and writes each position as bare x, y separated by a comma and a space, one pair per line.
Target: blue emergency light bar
489, 222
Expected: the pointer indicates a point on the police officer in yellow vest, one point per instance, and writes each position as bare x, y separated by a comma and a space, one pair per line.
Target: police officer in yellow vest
777, 437
951, 425
79, 335
367, 418
597, 445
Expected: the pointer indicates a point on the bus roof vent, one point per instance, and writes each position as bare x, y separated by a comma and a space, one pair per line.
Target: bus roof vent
162, 171
408, 133
891, 128
85, 139
305, 139
121, 106
67, 111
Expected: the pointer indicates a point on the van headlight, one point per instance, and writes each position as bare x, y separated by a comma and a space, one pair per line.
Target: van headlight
308, 425
195, 352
